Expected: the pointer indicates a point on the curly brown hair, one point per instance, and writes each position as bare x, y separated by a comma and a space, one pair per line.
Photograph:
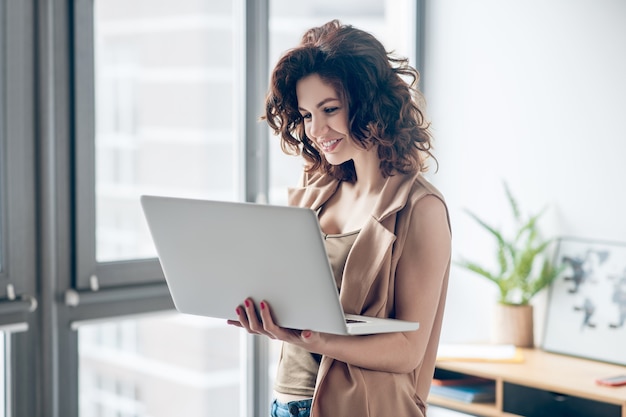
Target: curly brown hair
379, 90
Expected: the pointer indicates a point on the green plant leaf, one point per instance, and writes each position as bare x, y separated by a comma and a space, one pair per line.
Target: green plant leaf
503, 246
474, 267
512, 202
517, 258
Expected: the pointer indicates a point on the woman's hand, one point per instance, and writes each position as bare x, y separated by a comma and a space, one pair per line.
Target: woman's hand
259, 321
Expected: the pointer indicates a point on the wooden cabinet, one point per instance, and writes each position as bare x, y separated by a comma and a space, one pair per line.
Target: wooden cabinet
544, 384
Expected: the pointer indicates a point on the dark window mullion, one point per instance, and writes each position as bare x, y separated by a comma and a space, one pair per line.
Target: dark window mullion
49, 342
3, 148
17, 187
84, 145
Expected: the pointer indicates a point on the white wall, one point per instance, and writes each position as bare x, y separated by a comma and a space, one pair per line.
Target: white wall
532, 92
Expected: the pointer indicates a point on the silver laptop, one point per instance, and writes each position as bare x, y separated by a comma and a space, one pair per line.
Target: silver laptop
215, 254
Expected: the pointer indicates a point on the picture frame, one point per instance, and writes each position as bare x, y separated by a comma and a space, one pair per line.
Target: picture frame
586, 311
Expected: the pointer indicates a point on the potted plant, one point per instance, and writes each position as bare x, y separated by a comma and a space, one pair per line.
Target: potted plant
523, 269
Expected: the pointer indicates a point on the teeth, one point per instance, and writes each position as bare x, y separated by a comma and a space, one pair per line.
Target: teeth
330, 143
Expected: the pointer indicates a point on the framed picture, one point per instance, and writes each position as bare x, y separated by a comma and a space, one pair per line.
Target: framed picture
586, 313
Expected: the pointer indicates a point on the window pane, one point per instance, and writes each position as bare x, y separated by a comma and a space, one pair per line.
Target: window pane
159, 366
166, 96
391, 21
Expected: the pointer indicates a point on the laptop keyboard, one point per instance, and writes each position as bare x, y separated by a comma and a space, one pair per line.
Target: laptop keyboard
354, 321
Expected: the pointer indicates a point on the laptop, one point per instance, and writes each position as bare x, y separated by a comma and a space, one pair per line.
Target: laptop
215, 254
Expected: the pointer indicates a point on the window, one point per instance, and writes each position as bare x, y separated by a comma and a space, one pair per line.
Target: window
162, 98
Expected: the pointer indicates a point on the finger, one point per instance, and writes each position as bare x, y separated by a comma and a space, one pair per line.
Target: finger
234, 323
254, 322
310, 337
268, 321
243, 318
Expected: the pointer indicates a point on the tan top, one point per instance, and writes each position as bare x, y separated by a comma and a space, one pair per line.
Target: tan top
297, 367
376, 260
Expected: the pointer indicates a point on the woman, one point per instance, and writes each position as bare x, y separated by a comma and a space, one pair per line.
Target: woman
344, 104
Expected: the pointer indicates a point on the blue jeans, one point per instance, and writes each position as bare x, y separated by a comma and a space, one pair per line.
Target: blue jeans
291, 409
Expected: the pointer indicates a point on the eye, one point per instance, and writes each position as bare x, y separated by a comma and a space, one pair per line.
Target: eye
306, 116
330, 110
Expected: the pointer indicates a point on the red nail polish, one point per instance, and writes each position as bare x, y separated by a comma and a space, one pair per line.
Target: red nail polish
247, 303
262, 305
237, 310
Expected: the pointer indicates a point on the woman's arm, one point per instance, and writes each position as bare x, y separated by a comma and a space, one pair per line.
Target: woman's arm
418, 283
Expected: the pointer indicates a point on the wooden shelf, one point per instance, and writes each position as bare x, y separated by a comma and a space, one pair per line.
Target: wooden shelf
557, 376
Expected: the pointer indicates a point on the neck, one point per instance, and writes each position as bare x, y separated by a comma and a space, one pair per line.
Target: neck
369, 178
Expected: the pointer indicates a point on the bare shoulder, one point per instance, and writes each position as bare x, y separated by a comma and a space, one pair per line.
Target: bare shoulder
431, 208
426, 198
429, 227
430, 202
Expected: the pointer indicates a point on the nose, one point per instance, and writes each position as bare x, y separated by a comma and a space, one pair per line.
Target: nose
317, 127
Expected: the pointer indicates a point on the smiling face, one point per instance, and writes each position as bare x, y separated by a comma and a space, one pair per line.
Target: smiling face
325, 119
